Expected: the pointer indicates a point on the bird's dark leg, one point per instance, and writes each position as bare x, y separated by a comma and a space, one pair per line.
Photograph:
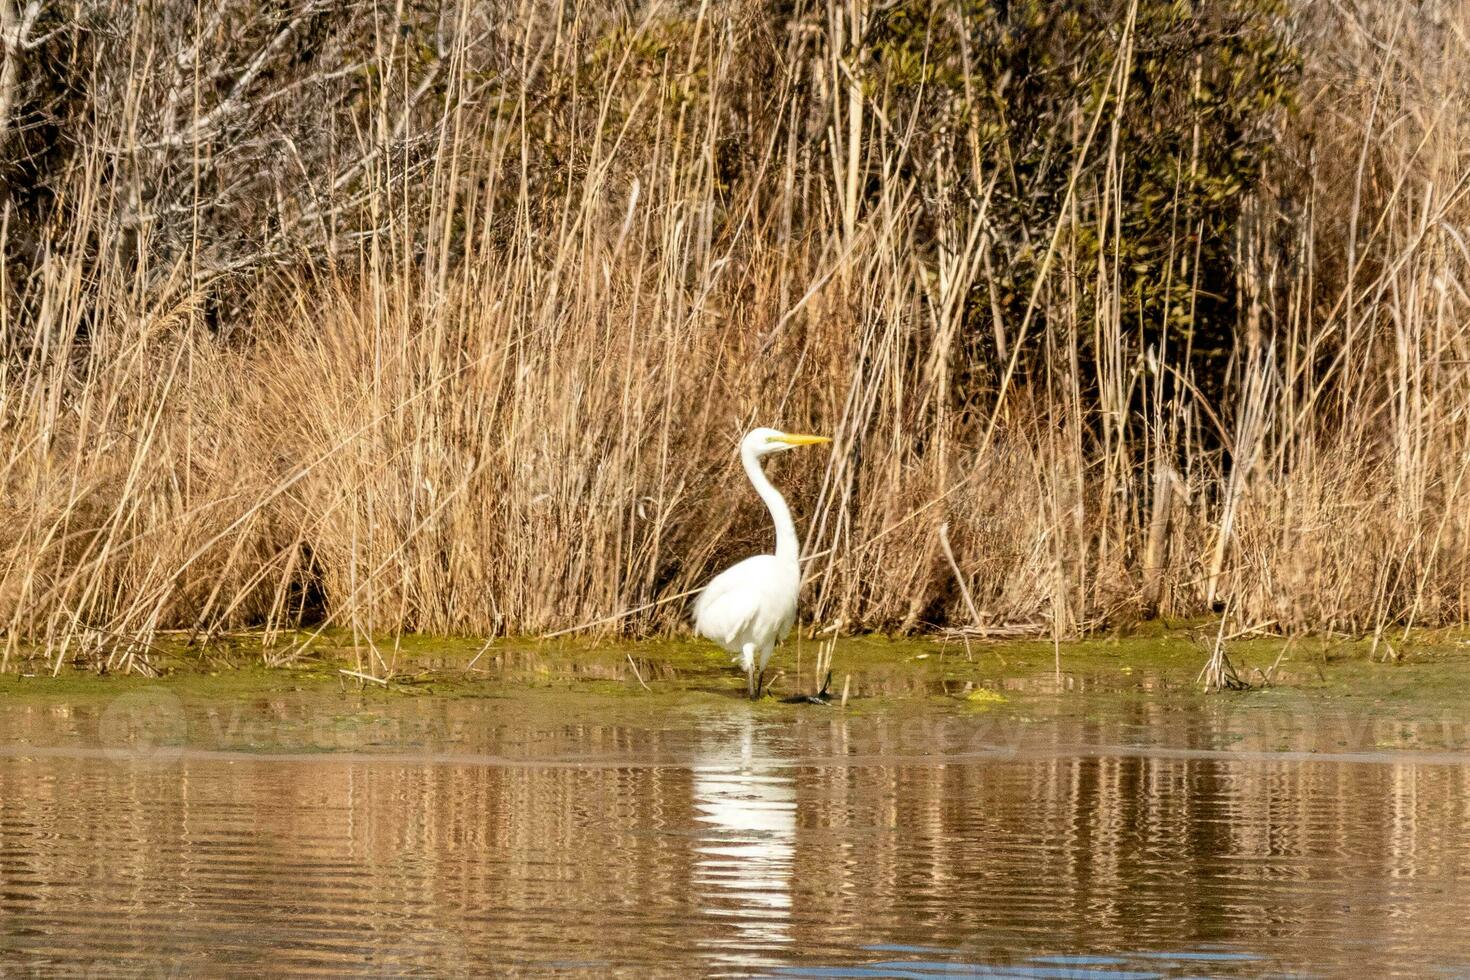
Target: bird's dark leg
760, 682
821, 697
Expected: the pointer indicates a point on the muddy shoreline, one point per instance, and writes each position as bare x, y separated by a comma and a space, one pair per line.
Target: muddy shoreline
1307, 695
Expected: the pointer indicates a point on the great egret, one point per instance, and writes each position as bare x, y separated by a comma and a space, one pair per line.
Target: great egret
749, 607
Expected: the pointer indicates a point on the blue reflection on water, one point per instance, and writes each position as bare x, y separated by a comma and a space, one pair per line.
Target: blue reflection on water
1120, 966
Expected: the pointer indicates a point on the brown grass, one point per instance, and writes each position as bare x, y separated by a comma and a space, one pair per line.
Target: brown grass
513, 407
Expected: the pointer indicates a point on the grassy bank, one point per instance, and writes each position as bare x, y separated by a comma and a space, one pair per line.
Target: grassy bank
450, 325
530, 703
878, 675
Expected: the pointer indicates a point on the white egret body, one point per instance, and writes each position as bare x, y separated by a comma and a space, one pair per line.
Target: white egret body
750, 607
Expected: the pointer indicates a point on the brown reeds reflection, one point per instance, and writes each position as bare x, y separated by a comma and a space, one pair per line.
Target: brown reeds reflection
744, 846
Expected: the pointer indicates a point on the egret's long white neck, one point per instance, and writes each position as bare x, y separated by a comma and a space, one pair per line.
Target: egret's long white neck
788, 549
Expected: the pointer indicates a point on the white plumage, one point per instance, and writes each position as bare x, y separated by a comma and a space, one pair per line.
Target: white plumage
751, 606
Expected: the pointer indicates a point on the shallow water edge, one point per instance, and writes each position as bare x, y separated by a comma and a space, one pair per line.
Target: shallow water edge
1307, 696
623, 810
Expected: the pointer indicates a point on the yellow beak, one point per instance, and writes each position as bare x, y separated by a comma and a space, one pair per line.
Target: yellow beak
795, 439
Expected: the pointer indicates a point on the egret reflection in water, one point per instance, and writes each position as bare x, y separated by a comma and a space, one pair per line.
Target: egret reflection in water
745, 803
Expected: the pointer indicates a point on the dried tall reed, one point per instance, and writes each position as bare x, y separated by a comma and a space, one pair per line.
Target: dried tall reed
510, 401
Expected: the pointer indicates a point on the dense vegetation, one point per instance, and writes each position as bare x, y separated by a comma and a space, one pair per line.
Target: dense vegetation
447, 317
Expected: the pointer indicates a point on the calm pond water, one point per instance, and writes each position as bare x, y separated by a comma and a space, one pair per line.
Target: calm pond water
152, 835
